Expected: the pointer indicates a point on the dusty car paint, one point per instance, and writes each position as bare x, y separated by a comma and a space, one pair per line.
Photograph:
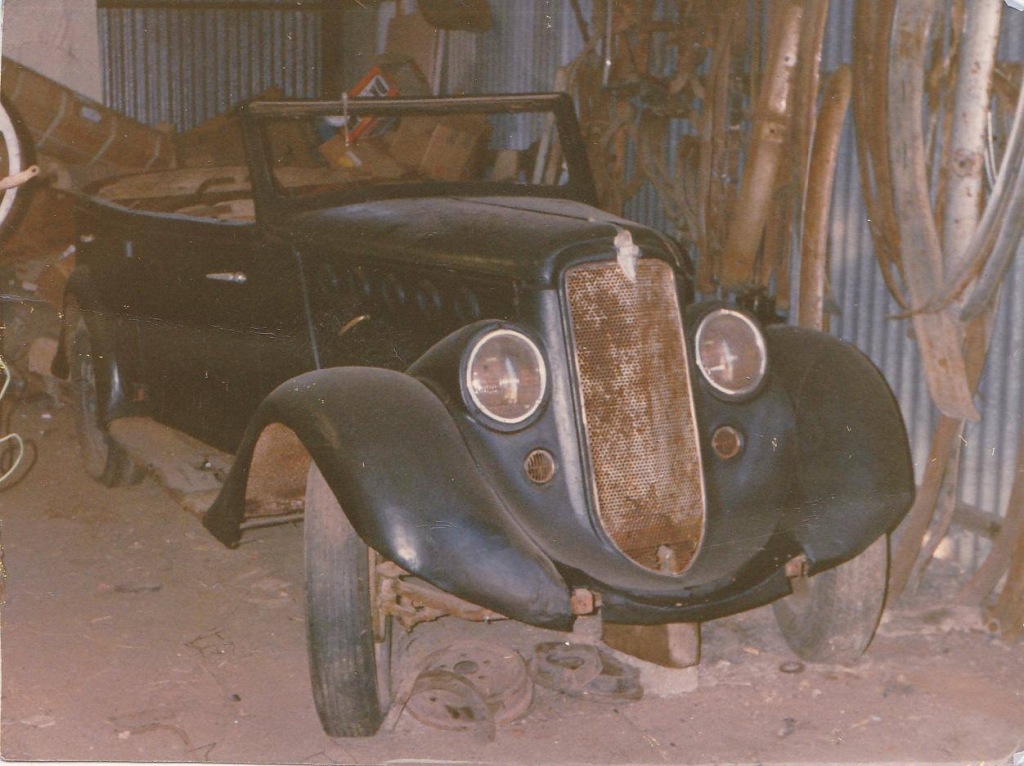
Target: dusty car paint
373, 301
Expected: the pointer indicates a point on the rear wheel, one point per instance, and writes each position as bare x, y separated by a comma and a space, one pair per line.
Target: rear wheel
349, 650
102, 458
832, 616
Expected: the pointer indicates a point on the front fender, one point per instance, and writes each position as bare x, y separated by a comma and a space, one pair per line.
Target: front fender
402, 473
854, 478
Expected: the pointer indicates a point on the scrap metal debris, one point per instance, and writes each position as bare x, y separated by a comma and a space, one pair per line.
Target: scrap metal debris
447, 700
584, 670
472, 687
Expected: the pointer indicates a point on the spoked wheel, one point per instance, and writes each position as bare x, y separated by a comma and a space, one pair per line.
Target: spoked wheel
349, 643
15, 157
832, 616
103, 459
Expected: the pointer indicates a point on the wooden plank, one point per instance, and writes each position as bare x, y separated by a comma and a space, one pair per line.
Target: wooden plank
176, 183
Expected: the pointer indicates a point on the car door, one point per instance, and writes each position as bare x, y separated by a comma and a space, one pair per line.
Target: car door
229, 325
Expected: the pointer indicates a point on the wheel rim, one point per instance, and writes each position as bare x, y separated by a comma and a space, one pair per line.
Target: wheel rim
12, 160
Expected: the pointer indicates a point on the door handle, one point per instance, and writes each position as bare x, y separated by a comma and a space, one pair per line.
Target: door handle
235, 277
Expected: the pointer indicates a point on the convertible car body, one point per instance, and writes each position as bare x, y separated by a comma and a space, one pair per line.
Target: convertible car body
509, 396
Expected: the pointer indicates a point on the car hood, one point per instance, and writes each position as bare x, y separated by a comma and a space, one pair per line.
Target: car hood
521, 237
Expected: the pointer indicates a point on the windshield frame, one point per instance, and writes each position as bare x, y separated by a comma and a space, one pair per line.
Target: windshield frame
273, 203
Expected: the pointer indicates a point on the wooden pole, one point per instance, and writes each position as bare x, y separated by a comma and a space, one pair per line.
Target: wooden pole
814, 250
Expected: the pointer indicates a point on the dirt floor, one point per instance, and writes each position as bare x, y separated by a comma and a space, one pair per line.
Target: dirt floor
128, 633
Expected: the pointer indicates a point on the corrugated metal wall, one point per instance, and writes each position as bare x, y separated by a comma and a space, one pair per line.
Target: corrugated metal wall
183, 65
990, 448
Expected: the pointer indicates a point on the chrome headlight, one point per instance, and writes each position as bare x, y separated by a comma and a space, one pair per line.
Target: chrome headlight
731, 352
505, 376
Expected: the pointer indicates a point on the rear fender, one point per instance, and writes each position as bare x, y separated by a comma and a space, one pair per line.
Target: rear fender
81, 300
401, 471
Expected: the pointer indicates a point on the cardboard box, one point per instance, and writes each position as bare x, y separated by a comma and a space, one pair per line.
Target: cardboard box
79, 131
410, 35
408, 142
455, 148
218, 141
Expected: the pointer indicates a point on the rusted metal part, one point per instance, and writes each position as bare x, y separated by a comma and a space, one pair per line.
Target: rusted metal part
814, 251
447, 700
727, 442
772, 117
797, 567
468, 684
939, 338
411, 600
585, 601
625, 335
277, 476
584, 670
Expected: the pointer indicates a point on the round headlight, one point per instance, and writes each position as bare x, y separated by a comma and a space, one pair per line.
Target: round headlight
505, 376
731, 352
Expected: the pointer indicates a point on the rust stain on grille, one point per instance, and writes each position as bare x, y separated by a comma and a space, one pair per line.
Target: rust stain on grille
641, 432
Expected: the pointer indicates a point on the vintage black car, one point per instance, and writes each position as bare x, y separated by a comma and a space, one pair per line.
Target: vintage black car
513, 404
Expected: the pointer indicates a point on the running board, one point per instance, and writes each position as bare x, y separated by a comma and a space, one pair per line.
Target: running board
193, 472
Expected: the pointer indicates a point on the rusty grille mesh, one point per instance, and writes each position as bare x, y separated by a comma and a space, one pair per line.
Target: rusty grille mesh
640, 428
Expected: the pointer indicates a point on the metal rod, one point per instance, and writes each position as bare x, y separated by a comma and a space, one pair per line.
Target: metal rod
271, 521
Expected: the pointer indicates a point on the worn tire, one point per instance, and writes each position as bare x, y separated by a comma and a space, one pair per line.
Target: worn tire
102, 458
348, 667
832, 616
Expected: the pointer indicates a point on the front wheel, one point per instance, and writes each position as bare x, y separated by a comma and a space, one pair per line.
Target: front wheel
832, 616
349, 661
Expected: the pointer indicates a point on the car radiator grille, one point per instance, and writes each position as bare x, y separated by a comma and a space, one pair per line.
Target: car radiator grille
641, 435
